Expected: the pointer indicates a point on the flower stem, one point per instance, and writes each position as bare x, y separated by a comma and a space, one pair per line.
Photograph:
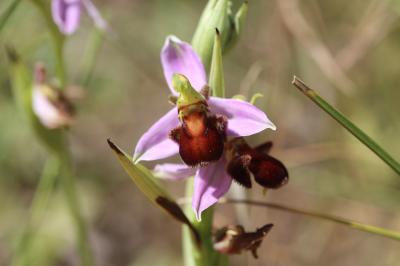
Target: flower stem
37, 211
57, 39
91, 55
353, 129
356, 225
68, 184
205, 255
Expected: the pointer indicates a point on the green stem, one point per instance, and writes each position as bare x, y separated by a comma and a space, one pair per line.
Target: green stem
91, 53
37, 212
206, 255
353, 129
57, 39
356, 225
68, 184
7, 13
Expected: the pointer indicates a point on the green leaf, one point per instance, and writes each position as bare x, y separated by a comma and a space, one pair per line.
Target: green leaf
8, 12
347, 124
147, 183
216, 80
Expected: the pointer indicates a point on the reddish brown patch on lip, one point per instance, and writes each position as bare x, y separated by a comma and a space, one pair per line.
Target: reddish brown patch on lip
201, 138
267, 171
237, 169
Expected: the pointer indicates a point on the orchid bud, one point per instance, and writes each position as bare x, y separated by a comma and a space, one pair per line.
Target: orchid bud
215, 15
237, 25
218, 14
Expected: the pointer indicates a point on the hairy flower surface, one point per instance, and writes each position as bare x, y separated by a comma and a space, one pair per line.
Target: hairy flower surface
67, 14
244, 161
197, 127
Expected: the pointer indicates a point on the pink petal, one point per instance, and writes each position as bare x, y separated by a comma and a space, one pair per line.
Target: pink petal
95, 14
244, 119
155, 144
46, 112
179, 57
210, 183
66, 14
174, 171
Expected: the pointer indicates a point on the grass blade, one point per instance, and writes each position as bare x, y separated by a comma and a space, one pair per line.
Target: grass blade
346, 123
356, 225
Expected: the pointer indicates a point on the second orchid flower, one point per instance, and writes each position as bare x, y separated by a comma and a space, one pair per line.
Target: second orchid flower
67, 14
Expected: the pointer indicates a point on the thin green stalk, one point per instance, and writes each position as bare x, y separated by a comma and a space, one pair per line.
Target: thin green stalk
353, 129
7, 13
91, 53
356, 225
57, 39
37, 212
68, 184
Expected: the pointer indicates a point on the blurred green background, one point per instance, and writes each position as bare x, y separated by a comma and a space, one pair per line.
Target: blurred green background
349, 51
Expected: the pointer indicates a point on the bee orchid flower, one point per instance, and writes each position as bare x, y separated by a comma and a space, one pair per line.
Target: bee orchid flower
197, 127
67, 14
50, 105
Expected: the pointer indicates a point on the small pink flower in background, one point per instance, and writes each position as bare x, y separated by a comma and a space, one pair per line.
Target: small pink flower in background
243, 119
51, 107
67, 14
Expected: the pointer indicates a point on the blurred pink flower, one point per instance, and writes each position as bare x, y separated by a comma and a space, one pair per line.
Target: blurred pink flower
67, 14
50, 106
243, 119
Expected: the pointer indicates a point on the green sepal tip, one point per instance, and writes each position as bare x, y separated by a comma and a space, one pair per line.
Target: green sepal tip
187, 94
217, 82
